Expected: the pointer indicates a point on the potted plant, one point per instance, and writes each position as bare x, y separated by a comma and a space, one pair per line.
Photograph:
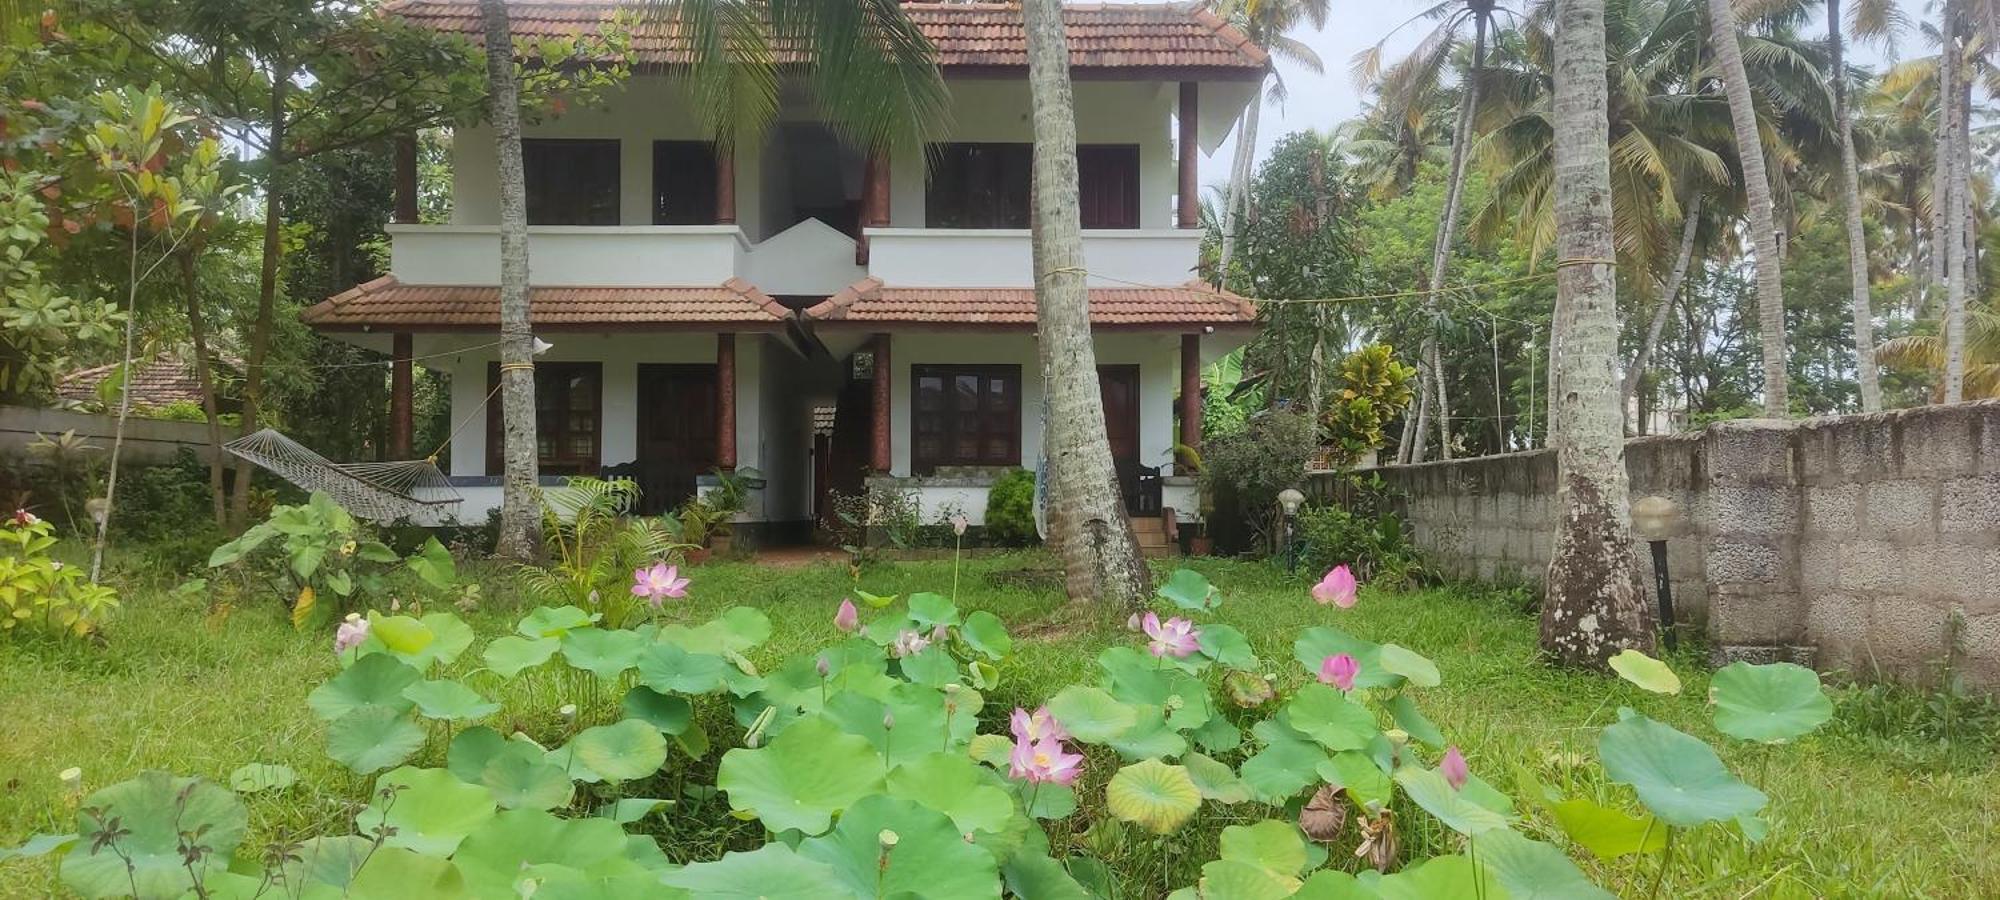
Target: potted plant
693, 525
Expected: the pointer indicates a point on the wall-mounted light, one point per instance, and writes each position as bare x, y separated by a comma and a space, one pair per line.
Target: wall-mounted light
1656, 519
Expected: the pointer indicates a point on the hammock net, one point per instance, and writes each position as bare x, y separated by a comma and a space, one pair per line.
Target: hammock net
378, 492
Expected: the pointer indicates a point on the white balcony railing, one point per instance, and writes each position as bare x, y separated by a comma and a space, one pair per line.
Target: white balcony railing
941, 257
572, 255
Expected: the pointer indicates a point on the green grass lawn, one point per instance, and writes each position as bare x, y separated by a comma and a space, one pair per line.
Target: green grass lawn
1857, 810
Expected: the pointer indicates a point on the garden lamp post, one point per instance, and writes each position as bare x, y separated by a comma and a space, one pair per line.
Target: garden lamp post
1289, 500
1654, 519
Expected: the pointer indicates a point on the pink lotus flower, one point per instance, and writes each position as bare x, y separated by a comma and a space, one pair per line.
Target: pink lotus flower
1044, 761
1176, 637
847, 618
1337, 588
1034, 726
908, 643
350, 634
959, 524
1454, 769
659, 583
1339, 670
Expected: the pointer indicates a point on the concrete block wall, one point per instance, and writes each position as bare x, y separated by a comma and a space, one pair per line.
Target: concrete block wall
1869, 544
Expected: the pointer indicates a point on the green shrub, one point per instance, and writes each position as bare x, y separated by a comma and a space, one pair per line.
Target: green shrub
1247, 470
1010, 510
161, 503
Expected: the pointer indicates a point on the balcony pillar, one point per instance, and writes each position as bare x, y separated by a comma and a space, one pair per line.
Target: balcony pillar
874, 201
401, 387
882, 456
1189, 148
406, 179
1190, 393
725, 401
725, 185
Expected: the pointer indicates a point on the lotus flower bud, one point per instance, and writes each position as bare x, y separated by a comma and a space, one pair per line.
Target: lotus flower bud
821, 667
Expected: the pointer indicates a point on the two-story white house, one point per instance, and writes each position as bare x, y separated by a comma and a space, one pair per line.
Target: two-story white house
794, 305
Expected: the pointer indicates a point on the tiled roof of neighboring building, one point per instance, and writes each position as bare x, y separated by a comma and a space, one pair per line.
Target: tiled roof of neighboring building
1123, 307
1102, 37
387, 304
167, 378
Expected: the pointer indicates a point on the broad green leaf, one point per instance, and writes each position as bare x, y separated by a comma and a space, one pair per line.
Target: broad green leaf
1440, 878
512, 654
375, 680
1608, 833
933, 666
38, 845
378, 552
402, 635
426, 810
259, 777
805, 775
449, 700
392, 873
1149, 737
666, 712
1404, 711
738, 629
1364, 781
986, 634
1314, 645
1046, 801
1646, 672
521, 777
929, 857
1227, 646
494, 858
668, 668
449, 638
632, 809
1754, 828
1429, 790
432, 563
1228, 879
548, 621
1271, 844
1331, 884
1218, 735
771, 872
372, 738
155, 809
1531, 870
929, 610
877, 601
1090, 715
1152, 795
953, 785
623, 751
1329, 717
471, 750
1215, 780
1286, 764
1037, 875
1399, 660
603, 652
1676, 775
991, 749
1770, 703
1189, 589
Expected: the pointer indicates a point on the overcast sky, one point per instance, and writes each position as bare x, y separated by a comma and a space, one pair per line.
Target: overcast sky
1323, 100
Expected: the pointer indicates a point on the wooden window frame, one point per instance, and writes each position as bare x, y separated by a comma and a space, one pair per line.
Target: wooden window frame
709, 203
556, 428
1007, 427
1101, 213
1096, 216
534, 190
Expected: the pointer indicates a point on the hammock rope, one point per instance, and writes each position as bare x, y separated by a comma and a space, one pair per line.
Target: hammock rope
377, 491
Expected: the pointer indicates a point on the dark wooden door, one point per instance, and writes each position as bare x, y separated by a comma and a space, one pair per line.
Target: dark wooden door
676, 432
1119, 387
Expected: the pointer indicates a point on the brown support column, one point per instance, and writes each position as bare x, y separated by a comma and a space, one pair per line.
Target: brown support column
883, 456
401, 406
1190, 151
725, 401
406, 179
725, 185
1190, 392
874, 201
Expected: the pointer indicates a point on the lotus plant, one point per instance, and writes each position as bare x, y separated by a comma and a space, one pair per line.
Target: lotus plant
659, 583
1453, 768
1337, 588
350, 634
1176, 637
1039, 756
1339, 670
847, 617
1037, 725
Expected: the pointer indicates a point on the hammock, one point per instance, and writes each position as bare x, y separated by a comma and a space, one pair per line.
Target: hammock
379, 492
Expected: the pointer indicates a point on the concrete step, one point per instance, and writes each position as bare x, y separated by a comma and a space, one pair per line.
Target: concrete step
1149, 525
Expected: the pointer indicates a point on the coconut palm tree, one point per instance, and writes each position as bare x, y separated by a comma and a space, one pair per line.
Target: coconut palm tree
1981, 354
1594, 604
1723, 41
1087, 519
1266, 22
873, 75
1867, 14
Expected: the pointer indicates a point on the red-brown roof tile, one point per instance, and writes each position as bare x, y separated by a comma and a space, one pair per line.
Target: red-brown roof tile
167, 378
1144, 308
387, 304
968, 36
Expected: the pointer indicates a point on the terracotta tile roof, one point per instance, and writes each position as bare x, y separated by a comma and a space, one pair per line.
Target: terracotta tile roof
389, 305
1102, 36
167, 378
1157, 308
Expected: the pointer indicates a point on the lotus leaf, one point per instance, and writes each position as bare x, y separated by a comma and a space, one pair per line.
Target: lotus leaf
771, 872
521, 777
986, 634
1215, 780
1404, 711
528, 843
670, 668
1532, 870
1646, 672
666, 712
1039, 876
1153, 795
375, 680
1149, 737
154, 809
738, 629
1329, 717
1770, 703
933, 666
471, 750
1608, 833
1676, 775
803, 777
426, 810
1228, 879
553, 621
373, 738
956, 786
1314, 645
1429, 790
1271, 844
1091, 715
1227, 646
929, 857
449, 700
603, 652
1438, 878
930, 610
622, 751
1189, 589
1364, 781
1414, 666
512, 654
1286, 764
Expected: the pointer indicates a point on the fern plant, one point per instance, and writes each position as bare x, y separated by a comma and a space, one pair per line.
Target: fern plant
596, 545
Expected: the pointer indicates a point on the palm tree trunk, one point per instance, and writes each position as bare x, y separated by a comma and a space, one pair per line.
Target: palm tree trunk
1857, 239
1087, 520
1448, 230
267, 291
1757, 190
520, 506
1239, 183
1595, 605
205, 376
1953, 161
1690, 222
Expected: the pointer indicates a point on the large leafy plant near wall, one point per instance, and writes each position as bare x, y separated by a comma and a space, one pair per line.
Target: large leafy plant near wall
875, 768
